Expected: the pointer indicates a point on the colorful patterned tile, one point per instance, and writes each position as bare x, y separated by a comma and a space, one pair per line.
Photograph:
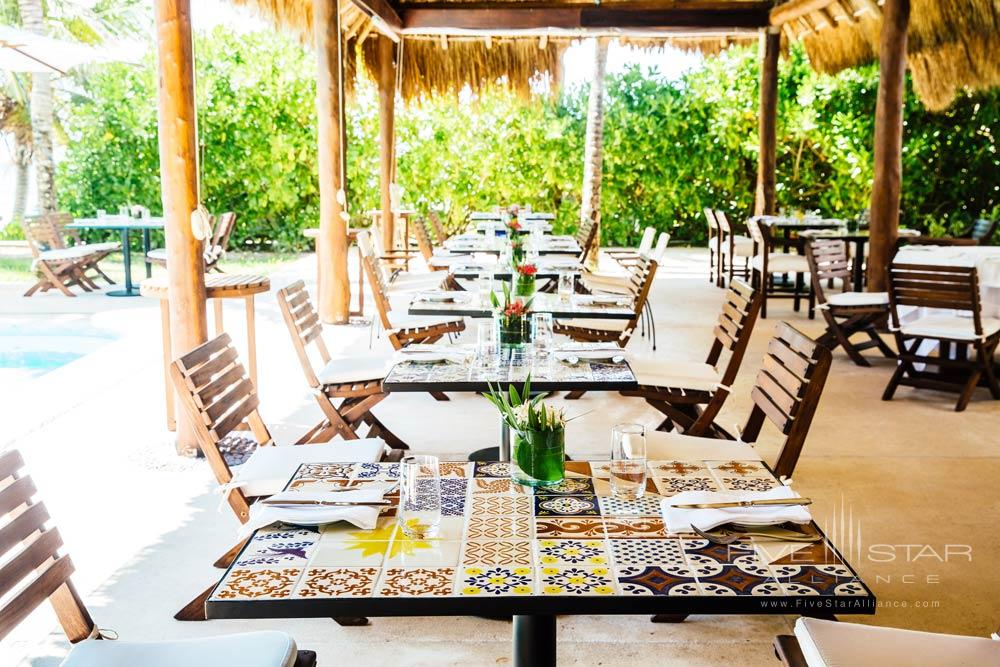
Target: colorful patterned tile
339, 582
583, 527
406, 552
256, 584
285, 547
324, 484
376, 471
566, 506
600, 469
602, 487
500, 505
453, 486
492, 469
644, 506
487, 580
454, 469
735, 580
571, 552
748, 483
817, 553
498, 527
709, 559
648, 552
324, 471
739, 468
669, 486
634, 528
653, 580
453, 505
496, 552
575, 581
342, 553
569, 486
342, 531
677, 468
416, 582
817, 579
498, 485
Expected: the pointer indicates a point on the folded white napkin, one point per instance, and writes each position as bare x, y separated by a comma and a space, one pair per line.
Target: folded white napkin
681, 520
617, 355
362, 516
443, 296
559, 263
600, 299
431, 355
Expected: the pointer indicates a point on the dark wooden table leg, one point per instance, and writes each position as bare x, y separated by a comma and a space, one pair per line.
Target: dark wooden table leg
535, 641
859, 265
668, 618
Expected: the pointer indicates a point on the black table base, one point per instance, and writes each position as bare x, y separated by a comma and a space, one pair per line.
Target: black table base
535, 641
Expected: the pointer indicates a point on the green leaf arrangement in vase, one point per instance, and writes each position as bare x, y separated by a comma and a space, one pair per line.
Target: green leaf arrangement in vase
538, 442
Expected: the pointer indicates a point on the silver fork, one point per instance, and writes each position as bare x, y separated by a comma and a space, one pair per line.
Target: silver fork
725, 536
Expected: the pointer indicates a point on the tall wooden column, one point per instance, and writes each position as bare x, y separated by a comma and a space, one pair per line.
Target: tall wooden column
770, 45
888, 140
179, 183
331, 245
386, 134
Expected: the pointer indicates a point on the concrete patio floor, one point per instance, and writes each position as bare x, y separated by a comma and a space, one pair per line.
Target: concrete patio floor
913, 482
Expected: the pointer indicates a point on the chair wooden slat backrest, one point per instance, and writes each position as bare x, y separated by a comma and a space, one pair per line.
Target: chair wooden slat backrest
934, 286
828, 260
423, 235
735, 324
376, 278
304, 326
42, 233
787, 391
219, 397
587, 237
641, 282
983, 230
32, 570
760, 235
439, 230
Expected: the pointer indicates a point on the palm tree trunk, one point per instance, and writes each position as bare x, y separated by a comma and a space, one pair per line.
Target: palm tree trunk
32, 18
593, 158
22, 161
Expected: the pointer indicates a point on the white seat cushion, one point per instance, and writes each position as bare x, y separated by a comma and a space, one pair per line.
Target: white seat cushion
662, 446
355, 368
108, 246
607, 325
676, 373
157, 254
59, 254
833, 644
859, 299
742, 246
249, 649
405, 282
607, 282
949, 326
403, 321
781, 262
268, 469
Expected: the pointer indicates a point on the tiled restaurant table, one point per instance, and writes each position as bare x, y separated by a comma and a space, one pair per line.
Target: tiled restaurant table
551, 245
468, 304
506, 549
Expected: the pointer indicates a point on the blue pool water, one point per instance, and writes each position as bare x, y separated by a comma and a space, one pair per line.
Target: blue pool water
34, 346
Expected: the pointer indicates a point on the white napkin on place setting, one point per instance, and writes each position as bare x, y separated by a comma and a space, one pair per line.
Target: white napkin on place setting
600, 299
681, 520
616, 355
429, 355
362, 516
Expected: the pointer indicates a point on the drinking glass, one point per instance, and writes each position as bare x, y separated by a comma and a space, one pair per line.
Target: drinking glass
485, 284
419, 497
542, 336
486, 342
567, 285
628, 461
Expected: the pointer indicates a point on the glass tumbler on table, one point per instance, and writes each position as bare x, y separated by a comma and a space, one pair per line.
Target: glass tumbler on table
567, 285
628, 461
485, 284
486, 342
419, 514
542, 337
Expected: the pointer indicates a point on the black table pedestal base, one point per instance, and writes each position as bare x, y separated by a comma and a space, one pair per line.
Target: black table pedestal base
535, 641
485, 454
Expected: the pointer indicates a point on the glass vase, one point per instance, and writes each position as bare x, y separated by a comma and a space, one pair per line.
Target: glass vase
538, 458
513, 333
524, 285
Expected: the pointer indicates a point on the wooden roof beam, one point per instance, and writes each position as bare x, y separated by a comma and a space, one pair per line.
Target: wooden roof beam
796, 9
383, 17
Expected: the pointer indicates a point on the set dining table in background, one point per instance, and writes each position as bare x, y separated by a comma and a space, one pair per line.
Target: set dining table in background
125, 225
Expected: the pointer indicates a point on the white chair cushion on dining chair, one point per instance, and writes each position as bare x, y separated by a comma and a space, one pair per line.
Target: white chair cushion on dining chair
249, 649
781, 262
859, 299
402, 321
596, 323
662, 446
742, 246
355, 368
108, 246
833, 644
677, 373
949, 326
412, 282
59, 254
607, 282
269, 468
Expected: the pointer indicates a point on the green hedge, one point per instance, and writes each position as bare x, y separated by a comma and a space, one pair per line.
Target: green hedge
671, 147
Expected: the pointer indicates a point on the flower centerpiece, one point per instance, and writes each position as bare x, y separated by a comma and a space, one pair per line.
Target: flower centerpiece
538, 454
517, 250
524, 279
511, 315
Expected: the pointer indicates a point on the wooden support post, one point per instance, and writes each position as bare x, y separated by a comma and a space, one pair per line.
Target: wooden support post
386, 134
331, 244
770, 46
179, 184
888, 140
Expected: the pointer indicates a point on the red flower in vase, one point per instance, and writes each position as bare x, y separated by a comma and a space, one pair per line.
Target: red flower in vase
515, 309
514, 225
527, 270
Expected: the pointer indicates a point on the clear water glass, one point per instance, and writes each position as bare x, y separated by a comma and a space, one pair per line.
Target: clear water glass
543, 340
628, 461
485, 283
419, 514
486, 342
567, 285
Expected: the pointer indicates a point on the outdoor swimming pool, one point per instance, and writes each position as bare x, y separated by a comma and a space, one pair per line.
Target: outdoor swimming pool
30, 347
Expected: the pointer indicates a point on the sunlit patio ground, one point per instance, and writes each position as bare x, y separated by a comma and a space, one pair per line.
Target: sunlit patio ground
913, 482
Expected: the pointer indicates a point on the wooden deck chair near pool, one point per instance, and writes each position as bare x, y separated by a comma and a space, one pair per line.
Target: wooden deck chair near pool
824, 643
954, 288
355, 380
689, 393
404, 329
846, 313
58, 264
34, 571
786, 393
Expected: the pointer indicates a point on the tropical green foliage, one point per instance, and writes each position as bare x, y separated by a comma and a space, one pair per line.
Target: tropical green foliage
671, 147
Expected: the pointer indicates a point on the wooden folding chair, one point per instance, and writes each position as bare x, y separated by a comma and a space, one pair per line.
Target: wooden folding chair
57, 264
954, 288
425, 244
356, 381
33, 571
439, 231
588, 239
766, 264
690, 394
215, 249
846, 313
714, 247
731, 247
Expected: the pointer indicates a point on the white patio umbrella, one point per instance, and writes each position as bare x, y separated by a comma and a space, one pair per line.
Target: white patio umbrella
23, 51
